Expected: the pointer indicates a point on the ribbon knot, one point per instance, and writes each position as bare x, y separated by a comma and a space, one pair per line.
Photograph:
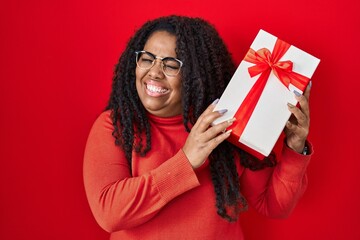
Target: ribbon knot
265, 62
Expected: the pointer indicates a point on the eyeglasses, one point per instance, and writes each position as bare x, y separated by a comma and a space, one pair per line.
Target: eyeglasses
169, 65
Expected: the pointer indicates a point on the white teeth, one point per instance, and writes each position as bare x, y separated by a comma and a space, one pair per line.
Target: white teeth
155, 89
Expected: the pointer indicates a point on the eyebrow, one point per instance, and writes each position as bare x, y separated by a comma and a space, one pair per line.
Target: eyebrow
158, 56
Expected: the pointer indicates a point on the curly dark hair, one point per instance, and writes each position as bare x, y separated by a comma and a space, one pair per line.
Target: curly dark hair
208, 67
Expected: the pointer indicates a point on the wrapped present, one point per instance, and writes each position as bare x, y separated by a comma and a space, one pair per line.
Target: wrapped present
260, 89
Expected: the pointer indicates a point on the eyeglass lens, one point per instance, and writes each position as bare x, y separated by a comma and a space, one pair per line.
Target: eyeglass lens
170, 66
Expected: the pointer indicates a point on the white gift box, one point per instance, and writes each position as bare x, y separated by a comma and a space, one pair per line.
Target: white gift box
271, 113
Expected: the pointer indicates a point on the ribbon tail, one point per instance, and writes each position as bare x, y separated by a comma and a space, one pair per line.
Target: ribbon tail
247, 107
298, 80
280, 49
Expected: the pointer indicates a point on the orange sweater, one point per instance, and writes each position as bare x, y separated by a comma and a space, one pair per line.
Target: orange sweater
164, 198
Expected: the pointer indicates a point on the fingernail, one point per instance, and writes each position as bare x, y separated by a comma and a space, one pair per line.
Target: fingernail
222, 111
290, 105
288, 123
228, 132
230, 121
310, 84
216, 101
297, 93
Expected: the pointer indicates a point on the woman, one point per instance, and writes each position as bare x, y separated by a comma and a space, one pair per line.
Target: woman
155, 168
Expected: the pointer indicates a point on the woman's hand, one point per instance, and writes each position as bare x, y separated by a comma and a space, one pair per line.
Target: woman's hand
204, 138
297, 128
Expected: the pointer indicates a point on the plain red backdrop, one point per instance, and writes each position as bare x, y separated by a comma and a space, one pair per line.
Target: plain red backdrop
56, 64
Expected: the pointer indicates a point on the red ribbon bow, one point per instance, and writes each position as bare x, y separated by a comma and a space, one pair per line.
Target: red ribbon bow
265, 63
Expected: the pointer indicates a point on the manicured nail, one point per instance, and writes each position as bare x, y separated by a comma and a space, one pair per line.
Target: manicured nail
288, 124
297, 93
310, 84
216, 101
222, 111
228, 132
290, 105
230, 121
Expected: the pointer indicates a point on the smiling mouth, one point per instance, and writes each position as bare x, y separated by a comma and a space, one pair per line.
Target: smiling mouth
156, 89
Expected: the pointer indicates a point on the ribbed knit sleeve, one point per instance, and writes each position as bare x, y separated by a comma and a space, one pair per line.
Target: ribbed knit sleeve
166, 177
118, 200
275, 192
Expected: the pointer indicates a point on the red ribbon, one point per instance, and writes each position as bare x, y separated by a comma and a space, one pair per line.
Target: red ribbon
265, 63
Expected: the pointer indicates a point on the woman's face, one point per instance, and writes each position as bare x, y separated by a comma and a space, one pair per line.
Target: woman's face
159, 93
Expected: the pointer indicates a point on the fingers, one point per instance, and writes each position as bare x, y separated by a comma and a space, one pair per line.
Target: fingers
204, 138
304, 100
215, 130
301, 114
219, 139
208, 116
307, 91
211, 134
297, 128
198, 147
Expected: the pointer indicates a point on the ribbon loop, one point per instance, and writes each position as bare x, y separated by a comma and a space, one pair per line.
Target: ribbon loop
264, 61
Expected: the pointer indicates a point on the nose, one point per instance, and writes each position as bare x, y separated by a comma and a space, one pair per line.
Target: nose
156, 70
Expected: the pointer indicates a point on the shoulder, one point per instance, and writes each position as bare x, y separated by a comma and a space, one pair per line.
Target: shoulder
105, 116
104, 121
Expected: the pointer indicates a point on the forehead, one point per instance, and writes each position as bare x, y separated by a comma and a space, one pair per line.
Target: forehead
162, 44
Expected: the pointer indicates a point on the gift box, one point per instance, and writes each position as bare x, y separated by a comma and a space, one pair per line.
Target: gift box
258, 93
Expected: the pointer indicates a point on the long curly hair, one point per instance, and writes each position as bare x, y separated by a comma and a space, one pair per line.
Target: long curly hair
208, 67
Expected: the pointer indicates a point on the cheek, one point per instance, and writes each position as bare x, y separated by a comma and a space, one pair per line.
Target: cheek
177, 85
139, 74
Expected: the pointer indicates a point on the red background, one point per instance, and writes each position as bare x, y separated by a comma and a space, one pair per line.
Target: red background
56, 63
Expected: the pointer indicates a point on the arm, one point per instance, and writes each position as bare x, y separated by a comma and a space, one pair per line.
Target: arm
274, 192
118, 200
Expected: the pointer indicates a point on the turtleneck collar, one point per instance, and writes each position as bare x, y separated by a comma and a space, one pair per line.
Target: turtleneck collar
166, 120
